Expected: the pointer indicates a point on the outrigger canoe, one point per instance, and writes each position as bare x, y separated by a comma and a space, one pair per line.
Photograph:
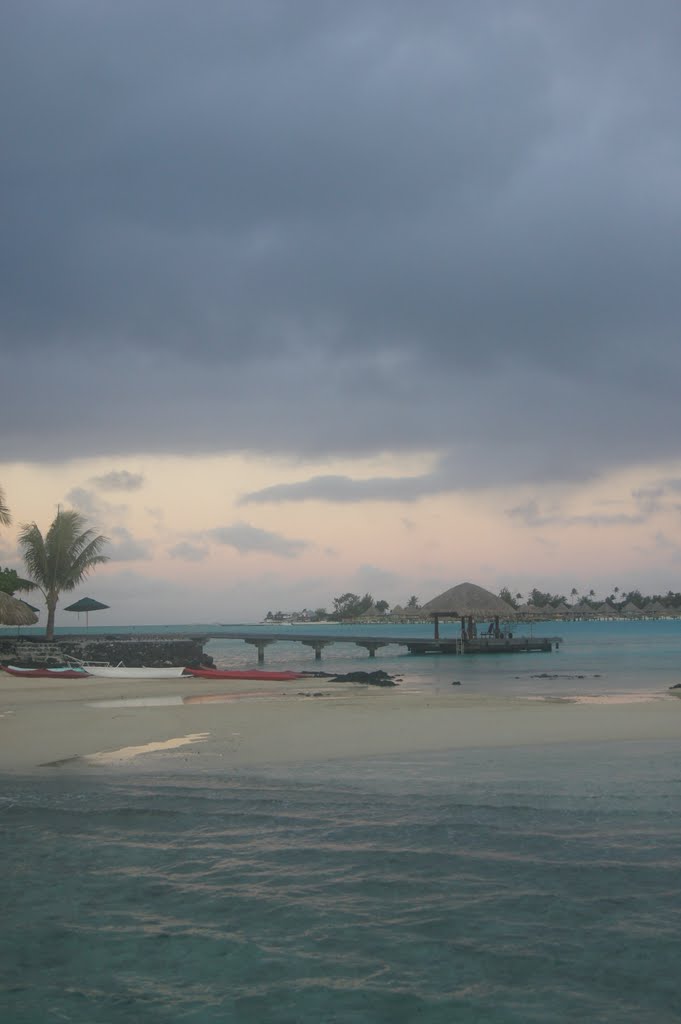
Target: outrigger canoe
216, 673
45, 673
140, 672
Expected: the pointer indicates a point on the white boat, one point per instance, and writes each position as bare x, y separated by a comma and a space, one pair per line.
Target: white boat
124, 672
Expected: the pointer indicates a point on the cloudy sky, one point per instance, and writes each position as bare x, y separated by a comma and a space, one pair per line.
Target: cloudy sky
312, 296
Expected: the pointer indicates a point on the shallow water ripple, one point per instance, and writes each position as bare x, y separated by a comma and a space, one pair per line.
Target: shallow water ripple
282, 899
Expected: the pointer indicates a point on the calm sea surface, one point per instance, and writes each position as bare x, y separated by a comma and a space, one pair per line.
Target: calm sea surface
513, 885
594, 657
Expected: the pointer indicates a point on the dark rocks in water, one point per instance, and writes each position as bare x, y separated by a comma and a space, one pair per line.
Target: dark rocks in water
676, 686
456, 682
378, 678
557, 675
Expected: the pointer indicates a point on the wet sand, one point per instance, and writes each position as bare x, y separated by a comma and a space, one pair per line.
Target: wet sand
100, 723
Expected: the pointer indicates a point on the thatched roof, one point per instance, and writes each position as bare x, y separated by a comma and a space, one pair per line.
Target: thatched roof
606, 609
372, 613
468, 599
631, 609
561, 608
540, 609
15, 613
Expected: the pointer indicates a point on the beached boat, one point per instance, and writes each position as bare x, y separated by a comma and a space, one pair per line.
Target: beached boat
124, 672
216, 673
68, 672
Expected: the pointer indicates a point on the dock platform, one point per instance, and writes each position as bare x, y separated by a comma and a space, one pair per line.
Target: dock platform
415, 645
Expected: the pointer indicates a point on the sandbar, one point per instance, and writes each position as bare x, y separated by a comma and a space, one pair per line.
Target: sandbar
102, 724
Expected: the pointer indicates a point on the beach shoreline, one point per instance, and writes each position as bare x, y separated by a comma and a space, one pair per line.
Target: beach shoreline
93, 724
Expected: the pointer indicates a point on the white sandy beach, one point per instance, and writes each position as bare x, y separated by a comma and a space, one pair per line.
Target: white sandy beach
47, 723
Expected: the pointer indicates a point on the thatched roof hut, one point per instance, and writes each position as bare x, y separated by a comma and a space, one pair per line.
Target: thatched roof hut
15, 613
631, 609
372, 613
540, 611
606, 609
469, 599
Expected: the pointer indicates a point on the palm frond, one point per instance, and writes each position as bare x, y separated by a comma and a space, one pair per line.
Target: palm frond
5, 515
61, 560
32, 544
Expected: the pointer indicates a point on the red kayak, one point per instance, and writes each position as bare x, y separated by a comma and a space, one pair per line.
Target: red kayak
216, 673
44, 673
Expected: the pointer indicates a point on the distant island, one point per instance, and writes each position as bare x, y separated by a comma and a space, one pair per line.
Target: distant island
535, 605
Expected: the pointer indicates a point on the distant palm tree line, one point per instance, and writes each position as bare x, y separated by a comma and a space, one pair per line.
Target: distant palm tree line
618, 598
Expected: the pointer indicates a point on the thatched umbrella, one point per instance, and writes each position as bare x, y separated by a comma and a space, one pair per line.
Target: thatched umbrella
468, 601
15, 613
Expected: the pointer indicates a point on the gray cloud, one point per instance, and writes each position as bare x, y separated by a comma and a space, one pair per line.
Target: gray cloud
188, 552
124, 547
119, 480
531, 514
346, 489
93, 507
246, 539
373, 579
441, 227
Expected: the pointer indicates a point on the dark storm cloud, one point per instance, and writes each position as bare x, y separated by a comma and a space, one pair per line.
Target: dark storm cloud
320, 228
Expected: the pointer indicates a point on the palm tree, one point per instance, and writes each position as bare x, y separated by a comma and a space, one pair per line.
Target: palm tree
62, 559
5, 517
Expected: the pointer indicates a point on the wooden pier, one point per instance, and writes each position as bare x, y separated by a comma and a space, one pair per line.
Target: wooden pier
415, 645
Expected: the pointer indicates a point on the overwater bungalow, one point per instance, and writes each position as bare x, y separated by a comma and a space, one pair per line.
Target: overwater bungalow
607, 611
582, 610
470, 604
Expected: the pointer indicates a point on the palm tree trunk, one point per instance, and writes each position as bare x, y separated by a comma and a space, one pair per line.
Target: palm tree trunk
51, 609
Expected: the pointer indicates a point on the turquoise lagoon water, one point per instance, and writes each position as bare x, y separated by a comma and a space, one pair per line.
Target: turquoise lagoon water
610, 656
533, 884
